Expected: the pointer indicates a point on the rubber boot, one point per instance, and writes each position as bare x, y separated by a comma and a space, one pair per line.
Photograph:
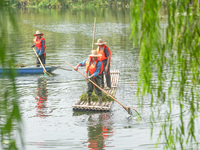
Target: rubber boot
100, 101
89, 101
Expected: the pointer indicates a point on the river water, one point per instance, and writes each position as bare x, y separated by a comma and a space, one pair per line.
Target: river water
51, 123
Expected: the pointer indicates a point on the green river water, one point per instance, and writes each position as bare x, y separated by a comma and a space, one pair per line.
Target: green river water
53, 125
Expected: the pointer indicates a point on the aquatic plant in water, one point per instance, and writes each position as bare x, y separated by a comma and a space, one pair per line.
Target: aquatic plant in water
94, 97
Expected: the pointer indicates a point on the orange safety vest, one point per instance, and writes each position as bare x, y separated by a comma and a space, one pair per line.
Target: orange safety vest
38, 42
93, 67
102, 52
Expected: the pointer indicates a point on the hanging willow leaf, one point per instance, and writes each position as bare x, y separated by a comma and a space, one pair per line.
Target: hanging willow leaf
10, 111
173, 63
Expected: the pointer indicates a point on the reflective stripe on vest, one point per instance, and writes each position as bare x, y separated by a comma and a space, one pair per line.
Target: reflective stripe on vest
38, 42
93, 67
102, 52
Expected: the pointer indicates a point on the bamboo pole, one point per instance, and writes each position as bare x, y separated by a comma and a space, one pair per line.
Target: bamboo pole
93, 34
59, 67
44, 70
47, 65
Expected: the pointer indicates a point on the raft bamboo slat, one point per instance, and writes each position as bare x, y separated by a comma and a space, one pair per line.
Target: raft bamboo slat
105, 106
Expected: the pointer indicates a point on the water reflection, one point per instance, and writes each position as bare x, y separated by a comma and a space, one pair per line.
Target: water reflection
41, 97
99, 131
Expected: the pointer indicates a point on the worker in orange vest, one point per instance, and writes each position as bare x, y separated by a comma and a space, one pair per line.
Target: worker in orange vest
94, 68
40, 44
105, 57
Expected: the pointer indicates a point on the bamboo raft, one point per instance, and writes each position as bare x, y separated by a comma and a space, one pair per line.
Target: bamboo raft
105, 106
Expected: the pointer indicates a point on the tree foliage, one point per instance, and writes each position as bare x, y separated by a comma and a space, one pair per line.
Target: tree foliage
168, 36
67, 3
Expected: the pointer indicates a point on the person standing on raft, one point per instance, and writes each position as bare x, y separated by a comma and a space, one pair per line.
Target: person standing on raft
105, 57
94, 68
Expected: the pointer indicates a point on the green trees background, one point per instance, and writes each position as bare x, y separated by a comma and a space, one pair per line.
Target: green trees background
68, 3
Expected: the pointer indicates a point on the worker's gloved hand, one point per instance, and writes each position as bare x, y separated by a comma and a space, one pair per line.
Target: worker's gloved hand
76, 68
32, 46
89, 77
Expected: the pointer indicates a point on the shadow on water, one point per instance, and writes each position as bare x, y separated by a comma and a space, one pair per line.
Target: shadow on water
99, 127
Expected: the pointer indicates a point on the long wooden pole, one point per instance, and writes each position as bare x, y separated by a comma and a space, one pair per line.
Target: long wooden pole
47, 65
93, 34
59, 67
44, 70
126, 108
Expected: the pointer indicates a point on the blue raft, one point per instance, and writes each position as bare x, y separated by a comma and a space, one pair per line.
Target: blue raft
27, 70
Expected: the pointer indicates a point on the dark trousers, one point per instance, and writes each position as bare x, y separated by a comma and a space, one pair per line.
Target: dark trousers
91, 87
107, 76
42, 58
